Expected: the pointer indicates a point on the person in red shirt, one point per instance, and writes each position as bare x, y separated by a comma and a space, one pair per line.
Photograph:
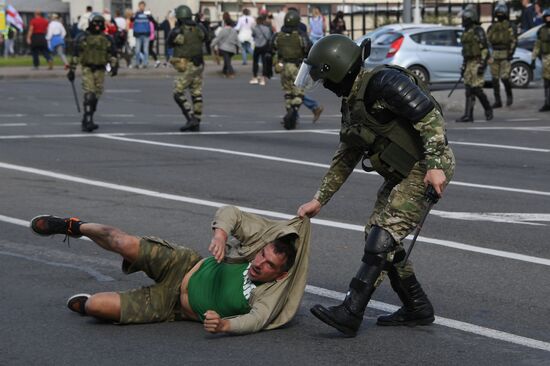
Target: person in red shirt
36, 38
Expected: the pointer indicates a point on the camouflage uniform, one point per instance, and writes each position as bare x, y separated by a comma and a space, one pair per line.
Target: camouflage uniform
476, 53
93, 52
503, 39
166, 264
542, 49
187, 40
292, 46
400, 202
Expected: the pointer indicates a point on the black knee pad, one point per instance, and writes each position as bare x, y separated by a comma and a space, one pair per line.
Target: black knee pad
179, 98
378, 241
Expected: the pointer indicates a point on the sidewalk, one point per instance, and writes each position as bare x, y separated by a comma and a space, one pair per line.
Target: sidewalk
23, 72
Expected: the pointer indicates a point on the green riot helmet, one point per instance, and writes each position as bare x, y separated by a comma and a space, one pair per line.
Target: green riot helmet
501, 11
183, 13
469, 16
334, 60
292, 19
546, 16
96, 23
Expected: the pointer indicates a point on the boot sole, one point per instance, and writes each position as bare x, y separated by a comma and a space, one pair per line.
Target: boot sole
37, 233
327, 320
408, 323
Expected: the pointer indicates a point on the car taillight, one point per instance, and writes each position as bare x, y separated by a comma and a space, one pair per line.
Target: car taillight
395, 46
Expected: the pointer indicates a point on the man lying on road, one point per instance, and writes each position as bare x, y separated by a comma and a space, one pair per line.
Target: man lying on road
253, 281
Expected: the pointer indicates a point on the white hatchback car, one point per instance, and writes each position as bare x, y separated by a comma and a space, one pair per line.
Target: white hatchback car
434, 54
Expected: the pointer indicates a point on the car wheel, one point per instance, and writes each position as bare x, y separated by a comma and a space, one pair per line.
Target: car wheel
420, 73
520, 75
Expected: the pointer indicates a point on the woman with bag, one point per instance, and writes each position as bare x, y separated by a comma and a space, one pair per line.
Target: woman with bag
227, 44
262, 36
56, 38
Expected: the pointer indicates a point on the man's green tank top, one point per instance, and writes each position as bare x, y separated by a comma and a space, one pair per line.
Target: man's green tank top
222, 287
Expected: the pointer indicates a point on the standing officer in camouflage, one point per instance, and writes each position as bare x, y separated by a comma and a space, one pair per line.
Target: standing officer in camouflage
476, 54
94, 50
542, 49
292, 46
187, 39
503, 39
390, 118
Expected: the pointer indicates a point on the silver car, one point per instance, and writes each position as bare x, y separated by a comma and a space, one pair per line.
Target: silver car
434, 55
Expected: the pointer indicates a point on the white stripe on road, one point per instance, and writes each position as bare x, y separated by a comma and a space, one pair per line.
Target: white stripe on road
522, 119
280, 215
508, 147
12, 124
319, 291
449, 323
504, 217
530, 129
12, 115
307, 163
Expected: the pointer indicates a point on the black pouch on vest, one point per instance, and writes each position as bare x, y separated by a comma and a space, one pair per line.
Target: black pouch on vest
197, 60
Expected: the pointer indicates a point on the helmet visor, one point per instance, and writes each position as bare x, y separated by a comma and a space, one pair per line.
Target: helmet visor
304, 80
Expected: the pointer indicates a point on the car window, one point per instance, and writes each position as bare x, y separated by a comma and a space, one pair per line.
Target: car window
458, 36
437, 38
531, 33
387, 38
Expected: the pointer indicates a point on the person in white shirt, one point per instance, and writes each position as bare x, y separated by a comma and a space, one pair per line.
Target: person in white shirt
279, 18
83, 21
120, 21
244, 27
56, 37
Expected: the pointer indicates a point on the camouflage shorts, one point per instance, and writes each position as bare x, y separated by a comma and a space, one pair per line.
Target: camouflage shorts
471, 77
92, 80
399, 207
166, 264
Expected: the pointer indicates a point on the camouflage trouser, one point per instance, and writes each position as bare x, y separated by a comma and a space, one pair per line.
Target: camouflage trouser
546, 66
471, 77
92, 81
500, 69
293, 95
191, 78
166, 264
399, 207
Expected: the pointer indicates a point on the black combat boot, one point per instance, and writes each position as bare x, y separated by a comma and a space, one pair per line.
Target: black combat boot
496, 89
508, 89
90, 103
416, 309
348, 316
478, 92
291, 118
469, 108
192, 121
546, 106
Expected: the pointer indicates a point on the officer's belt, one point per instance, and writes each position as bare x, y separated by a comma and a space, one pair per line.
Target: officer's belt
474, 58
295, 61
95, 67
500, 47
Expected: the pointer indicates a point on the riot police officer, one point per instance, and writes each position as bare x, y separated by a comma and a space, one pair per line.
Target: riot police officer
292, 46
94, 50
503, 39
389, 118
542, 49
476, 54
187, 39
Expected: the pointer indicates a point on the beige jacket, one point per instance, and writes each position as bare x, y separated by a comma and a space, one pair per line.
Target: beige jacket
273, 304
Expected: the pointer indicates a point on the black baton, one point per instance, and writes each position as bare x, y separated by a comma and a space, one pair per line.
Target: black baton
75, 97
431, 197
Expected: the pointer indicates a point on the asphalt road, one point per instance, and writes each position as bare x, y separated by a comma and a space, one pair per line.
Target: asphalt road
483, 255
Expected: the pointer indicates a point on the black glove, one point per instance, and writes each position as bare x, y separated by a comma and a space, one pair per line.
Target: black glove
114, 70
70, 75
533, 64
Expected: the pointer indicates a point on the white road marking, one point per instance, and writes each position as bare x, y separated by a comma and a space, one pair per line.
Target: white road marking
118, 115
306, 163
12, 124
123, 91
510, 218
318, 291
527, 128
446, 322
280, 215
522, 119
60, 115
12, 115
508, 147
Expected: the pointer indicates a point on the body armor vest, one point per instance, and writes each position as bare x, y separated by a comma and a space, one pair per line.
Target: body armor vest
191, 46
471, 47
290, 47
94, 50
499, 35
544, 36
393, 147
